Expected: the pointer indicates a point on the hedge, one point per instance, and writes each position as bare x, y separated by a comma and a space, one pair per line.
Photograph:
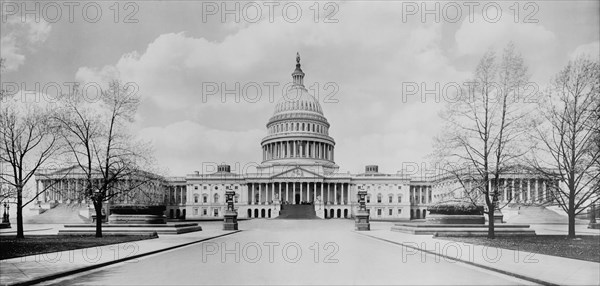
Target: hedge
456, 209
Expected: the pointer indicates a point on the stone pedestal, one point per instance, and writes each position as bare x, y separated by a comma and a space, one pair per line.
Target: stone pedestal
361, 221
498, 217
230, 222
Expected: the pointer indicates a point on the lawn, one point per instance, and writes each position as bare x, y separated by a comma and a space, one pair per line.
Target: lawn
37, 244
583, 247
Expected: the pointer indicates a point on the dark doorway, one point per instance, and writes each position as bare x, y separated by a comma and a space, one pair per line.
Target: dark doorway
183, 214
345, 213
171, 213
269, 213
262, 213
249, 213
331, 213
325, 213
412, 214
339, 213
424, 212
177, 213
255, 213
297, 199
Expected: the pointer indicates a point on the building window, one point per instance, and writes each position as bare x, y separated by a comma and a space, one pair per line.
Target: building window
390, 198
216, 212
399, 211
399, 187
204, 187
195, 187
196, 198
378, 212
399, 198
205, 199
236, 187
236, 198
368, 198
379, 198
195, 211
216, 198
390, 212
204, 211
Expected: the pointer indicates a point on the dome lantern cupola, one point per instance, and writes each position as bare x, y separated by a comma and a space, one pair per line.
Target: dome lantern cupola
298, 74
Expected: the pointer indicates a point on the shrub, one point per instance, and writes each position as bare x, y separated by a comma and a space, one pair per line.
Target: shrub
456, 209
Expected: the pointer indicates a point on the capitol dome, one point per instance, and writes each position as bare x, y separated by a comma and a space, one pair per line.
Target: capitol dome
298, 132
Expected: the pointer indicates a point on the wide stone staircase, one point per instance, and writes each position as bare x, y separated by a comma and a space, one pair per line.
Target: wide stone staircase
60, 214
536, 215
297, 212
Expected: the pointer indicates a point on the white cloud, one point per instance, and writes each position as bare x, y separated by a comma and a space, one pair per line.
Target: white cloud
185, 146
591, 50
20, 36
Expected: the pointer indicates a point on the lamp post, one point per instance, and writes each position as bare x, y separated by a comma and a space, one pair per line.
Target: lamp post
5, 216
230, 222
361, 222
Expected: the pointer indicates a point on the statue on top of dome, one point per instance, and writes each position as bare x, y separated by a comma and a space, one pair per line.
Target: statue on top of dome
297, 57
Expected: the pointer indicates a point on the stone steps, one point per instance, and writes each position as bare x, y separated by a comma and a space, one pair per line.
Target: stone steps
130, 229
297, 212
59, 214
463, 229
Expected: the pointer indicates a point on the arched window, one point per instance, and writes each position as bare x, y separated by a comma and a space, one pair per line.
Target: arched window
390, 198
297, 126
302, 126
399, 198
205, 198
216, 198
379, 198
196, 198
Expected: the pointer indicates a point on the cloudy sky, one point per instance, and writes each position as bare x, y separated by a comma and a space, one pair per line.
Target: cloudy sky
356, 55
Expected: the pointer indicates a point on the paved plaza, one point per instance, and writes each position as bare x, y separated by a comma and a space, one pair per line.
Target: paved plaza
291, 252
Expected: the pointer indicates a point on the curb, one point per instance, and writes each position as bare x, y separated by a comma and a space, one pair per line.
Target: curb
530, 279
99, 265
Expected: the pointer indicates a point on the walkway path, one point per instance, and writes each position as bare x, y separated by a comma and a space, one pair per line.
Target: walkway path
40, 267
290, 252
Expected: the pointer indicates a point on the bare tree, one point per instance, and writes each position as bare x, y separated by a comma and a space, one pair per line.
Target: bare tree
101, 146
567, 137
28, 141
481, 140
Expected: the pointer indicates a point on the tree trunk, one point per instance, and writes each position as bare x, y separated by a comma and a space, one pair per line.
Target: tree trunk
491, 234
571, 214
20, 232
571, 224
98, 208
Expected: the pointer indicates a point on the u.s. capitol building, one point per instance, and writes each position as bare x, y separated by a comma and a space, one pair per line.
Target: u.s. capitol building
298, 167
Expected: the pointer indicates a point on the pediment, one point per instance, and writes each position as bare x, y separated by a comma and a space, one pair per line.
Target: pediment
297, 173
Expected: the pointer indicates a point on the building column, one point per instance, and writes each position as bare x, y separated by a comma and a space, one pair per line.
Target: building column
512, 190
287, 187
544, 191
322, 197
529, 190
504, 191
537, 191
259, 193
521, 197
